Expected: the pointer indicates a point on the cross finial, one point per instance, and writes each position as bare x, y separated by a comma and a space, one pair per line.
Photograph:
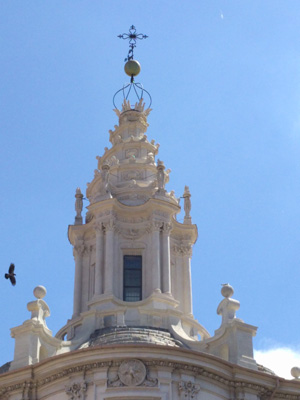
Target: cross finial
132, 36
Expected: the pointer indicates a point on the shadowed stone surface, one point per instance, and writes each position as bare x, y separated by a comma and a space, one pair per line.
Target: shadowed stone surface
141, 335
5, 367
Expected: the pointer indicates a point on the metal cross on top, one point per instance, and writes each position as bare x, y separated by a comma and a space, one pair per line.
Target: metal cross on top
132, 36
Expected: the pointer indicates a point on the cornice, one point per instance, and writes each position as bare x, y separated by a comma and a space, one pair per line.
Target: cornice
216, 377
180, 230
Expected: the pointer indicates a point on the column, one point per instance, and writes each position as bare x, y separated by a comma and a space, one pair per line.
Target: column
78, 254
156, 227
166, 267
99, 260
109, 258
187, 282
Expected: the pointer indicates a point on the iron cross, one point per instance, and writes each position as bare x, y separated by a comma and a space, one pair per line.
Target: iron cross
132, 36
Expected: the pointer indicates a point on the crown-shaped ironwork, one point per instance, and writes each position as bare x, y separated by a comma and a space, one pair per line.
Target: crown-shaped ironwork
133, 87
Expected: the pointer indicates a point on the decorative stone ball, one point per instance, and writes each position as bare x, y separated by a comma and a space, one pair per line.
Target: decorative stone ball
132, 68
295, 372
39, 292
227, 290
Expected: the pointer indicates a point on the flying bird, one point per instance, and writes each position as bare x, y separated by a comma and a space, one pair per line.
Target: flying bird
11, 274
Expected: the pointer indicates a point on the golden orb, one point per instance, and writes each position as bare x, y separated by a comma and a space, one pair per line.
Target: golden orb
132, 68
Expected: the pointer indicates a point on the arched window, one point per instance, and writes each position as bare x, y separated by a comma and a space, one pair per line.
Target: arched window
132, 278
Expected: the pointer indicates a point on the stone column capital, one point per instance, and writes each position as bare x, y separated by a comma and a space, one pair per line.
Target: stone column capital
79, 248
98, 226
166, 228
109, 226
156, 226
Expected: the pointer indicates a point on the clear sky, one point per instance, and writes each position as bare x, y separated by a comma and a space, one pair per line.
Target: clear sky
224, 76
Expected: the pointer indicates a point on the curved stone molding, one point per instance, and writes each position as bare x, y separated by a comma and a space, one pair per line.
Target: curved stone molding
188, 390
235, 384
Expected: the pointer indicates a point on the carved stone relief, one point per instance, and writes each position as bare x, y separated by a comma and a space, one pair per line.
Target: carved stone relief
156, 225
133, 231
182, 250
132, 373
76, 391
113, 161
127, 176
188, 390
131, 152
106, 213
79, 248
131, 220
182, 237
161, 213
109, 225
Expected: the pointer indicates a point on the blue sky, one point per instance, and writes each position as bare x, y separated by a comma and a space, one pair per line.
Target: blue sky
225, 81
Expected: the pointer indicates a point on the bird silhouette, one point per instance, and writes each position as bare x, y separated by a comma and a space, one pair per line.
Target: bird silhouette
11, 274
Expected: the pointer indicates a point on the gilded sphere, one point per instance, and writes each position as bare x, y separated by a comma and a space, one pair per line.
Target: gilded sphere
132, 68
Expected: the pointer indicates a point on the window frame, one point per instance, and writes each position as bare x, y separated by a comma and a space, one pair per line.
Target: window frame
140, 270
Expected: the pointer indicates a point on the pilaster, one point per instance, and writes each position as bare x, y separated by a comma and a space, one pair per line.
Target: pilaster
78, 252
109, 257
156, 280
99, 259
166, 266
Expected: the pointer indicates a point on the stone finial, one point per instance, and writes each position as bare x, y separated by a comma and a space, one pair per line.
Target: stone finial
39, 292
78, 206
227, 290
228, 307
39, 308
99, 159
295, 372
187, 205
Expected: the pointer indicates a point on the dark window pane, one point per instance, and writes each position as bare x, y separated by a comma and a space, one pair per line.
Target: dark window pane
132, 294
133, 262
132, 277
132, 289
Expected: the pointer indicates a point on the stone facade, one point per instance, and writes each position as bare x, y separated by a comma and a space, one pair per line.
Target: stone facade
151, 348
